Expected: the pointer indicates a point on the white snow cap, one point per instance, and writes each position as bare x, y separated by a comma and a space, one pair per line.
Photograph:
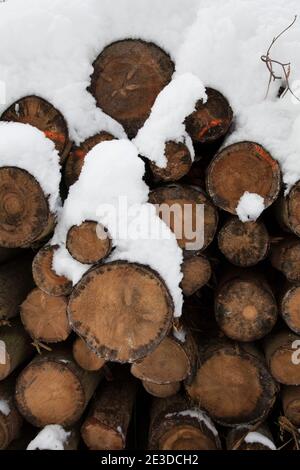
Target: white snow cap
258, 438
26, 147
166, 121
52, 437
250, 206
200, 415
4, 407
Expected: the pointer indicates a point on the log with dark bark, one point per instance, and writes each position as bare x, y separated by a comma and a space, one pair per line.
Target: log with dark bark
176, 426
290, 396
15, 347
25, 217
288, 210
53, 389
161, 390
211, 120
107, 424
39, 113
196, 273
248, 167
285, 256
179, 163
180, 207
45, 317
289, 306
89, 242
10, 418
76, 157
44, 275
232, 383
243, 438
128, 75
283, 357
121, 310
243, 244
85, 357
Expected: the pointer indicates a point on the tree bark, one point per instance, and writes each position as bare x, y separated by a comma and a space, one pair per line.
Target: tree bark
15, 347
289, 306
10, 418
85, 357
89, 242
282, 356
196, 273
248, 167
179, 163
121, 310
161, 390
288, 210
244, 438
285, 256
290, 396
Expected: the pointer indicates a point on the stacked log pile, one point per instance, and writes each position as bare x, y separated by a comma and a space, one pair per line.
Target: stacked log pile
224, 375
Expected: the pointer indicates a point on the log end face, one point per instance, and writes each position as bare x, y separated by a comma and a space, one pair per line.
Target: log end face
97, 436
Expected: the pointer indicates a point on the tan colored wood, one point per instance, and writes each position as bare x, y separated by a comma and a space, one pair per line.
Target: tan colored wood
282, 357
289, 306
85, 357
89, 242
179, 163
161, 390
285, 256
196, 273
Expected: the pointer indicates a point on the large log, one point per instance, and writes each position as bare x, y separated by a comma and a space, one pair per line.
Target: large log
243, 438
76, 157
248, 167
45, 317
232, 383
53, 389
175, 426
288, 210
10, 418
128, 75
44, 275
25, 217
179, 206
179, 163
88, 242
85, 357
196, 273
285, 256
161, 390
39, 113
243, 244
290, 396
211, 120
107, 424
15, 283
15, 347
121, 310
283, 357
289, 306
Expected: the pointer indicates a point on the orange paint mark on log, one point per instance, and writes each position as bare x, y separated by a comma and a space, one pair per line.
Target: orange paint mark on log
265, 155
210, 125
79, 153
57, 136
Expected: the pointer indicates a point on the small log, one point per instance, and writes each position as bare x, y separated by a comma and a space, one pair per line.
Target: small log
86, 358
243, 438
89, 242
290, 396
15, 347
107, 424
10, 418
243, 244
283, 357
161, 390
45, 317
245, 307
39, 113
44, 275
15, 283
25, 217
248, 167
288, 210
176, 426
196, 273
179, 163
128, 76
53, 389
232, 383
285, 256
172, 361
55, 437
178, 206
76, 157
211, 120
121, 310
289, 307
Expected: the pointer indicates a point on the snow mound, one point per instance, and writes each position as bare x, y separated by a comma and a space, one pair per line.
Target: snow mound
4, 407
258, 438
52, 437
250, 206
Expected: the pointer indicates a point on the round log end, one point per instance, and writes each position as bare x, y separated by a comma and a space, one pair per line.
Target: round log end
86, 358
161, 390
89, 242
179, 163
98, 436
196, 273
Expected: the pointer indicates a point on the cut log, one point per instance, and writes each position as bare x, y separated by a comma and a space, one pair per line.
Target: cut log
10, 418
290, 307
285, 256
107, 424
121, 310
24, 211
45, 317
128, 76
243, 438
44, 275
243, 244
180, 208
89, 242
86, 358
232, 383
161, 390
39, 113
172, 361
288, 210
211, 120
15, 284
176, 426
196, 273
179, 163
248, 167
290, 396
245, 307
283, 357
15, 347
53, 389
76, 157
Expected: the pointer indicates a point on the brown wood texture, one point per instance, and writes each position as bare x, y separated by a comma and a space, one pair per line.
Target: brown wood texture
89, 242
179, 163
